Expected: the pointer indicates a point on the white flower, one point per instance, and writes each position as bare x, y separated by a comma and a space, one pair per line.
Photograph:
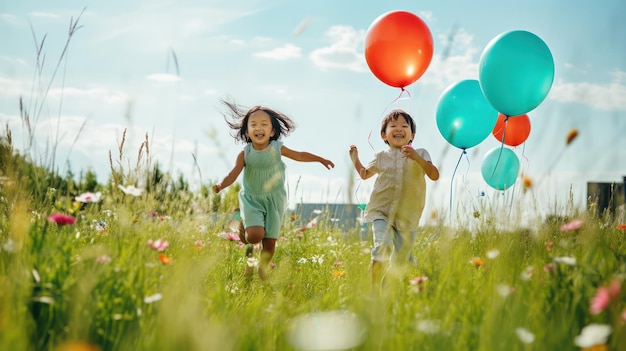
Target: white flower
153, 298
302, 260
525, 335
493, 253
317, 259
428, 326
9, 246
130, 190
593, 334
504, 290
252, 262
527, 273
570, 261
88, 197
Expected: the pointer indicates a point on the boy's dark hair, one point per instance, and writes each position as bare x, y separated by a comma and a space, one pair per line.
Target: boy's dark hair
393, 116
237, 119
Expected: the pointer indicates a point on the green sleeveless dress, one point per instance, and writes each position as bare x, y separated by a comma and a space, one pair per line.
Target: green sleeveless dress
263, 198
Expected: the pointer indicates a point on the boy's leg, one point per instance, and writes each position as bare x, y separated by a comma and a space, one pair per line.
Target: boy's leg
381, 250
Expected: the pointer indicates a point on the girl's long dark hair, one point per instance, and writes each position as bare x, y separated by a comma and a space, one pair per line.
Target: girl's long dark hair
237, 119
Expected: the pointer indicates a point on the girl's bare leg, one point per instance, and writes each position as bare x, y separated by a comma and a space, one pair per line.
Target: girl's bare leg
269, 245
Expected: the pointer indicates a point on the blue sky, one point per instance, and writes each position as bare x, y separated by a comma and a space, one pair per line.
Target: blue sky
306, 59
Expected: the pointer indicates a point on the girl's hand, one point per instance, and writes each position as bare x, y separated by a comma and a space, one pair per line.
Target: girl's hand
327, 163
217, 188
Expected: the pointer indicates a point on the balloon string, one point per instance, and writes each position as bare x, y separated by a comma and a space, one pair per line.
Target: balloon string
482, 193
402, 91
506, 122
452, 180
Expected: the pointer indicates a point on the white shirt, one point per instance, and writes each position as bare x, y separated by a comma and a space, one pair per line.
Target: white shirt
399, 192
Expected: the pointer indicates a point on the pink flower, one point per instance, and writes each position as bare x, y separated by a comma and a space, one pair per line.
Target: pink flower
600, 301
199, 243
603, 297
158, 245
338, 263
232, 236
572, 225
61, 219
418, 280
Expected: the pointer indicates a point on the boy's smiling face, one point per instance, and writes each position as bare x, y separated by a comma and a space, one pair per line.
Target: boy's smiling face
398, 133
260, 129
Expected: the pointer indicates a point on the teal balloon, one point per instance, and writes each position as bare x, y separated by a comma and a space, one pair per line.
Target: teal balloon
516, 72
464, 116
500, 167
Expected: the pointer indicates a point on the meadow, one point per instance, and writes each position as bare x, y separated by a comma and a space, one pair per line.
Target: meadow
144, 263
86, 266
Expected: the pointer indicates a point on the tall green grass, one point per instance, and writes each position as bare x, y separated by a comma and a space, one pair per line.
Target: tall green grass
98, 282
479, 283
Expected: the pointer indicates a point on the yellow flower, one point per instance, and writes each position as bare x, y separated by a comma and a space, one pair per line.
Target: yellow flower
477, 262
339, 273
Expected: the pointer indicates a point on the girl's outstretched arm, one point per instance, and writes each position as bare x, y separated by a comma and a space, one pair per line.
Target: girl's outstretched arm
232, 175
304, 156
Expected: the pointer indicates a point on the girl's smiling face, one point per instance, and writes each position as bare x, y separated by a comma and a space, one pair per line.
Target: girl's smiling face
260, 129
398, 133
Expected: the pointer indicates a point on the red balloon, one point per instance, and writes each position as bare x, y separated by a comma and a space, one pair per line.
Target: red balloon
517, 129
398, 48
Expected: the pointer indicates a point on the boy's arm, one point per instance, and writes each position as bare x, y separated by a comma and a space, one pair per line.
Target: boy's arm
232, 175
363, 172
429, 168
303, 156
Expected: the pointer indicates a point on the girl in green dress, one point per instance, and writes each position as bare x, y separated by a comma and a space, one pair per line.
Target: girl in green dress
263, 197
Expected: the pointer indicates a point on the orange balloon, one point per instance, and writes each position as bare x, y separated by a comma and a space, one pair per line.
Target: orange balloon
515, 131
398, 48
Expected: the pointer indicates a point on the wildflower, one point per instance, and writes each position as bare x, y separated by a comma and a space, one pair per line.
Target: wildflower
593, 334
152, 298
549, 245
504, 290
493, 253
571, 136
621, 226
527, 183
198, 243
603, 297
338, 263
164, 259
9, 246
524, 335
130, 190
101, 226
252, 261
550, 268
527, 273
302, 260
158, 245
428, 326
570, 261
418, 280
299, 236
77, 346
88, 197
572, 225
339, 273
477, 262
61, 219
317, 259
272, 265
103, 259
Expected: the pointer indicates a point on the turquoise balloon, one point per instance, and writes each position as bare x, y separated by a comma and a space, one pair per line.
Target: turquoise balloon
516, 72
500, 167
464, 116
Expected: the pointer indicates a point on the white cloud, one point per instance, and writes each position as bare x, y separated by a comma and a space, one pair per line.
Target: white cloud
164, 77
607, 97
9, 18
97, 94
288, 51
345, 50
44, 15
